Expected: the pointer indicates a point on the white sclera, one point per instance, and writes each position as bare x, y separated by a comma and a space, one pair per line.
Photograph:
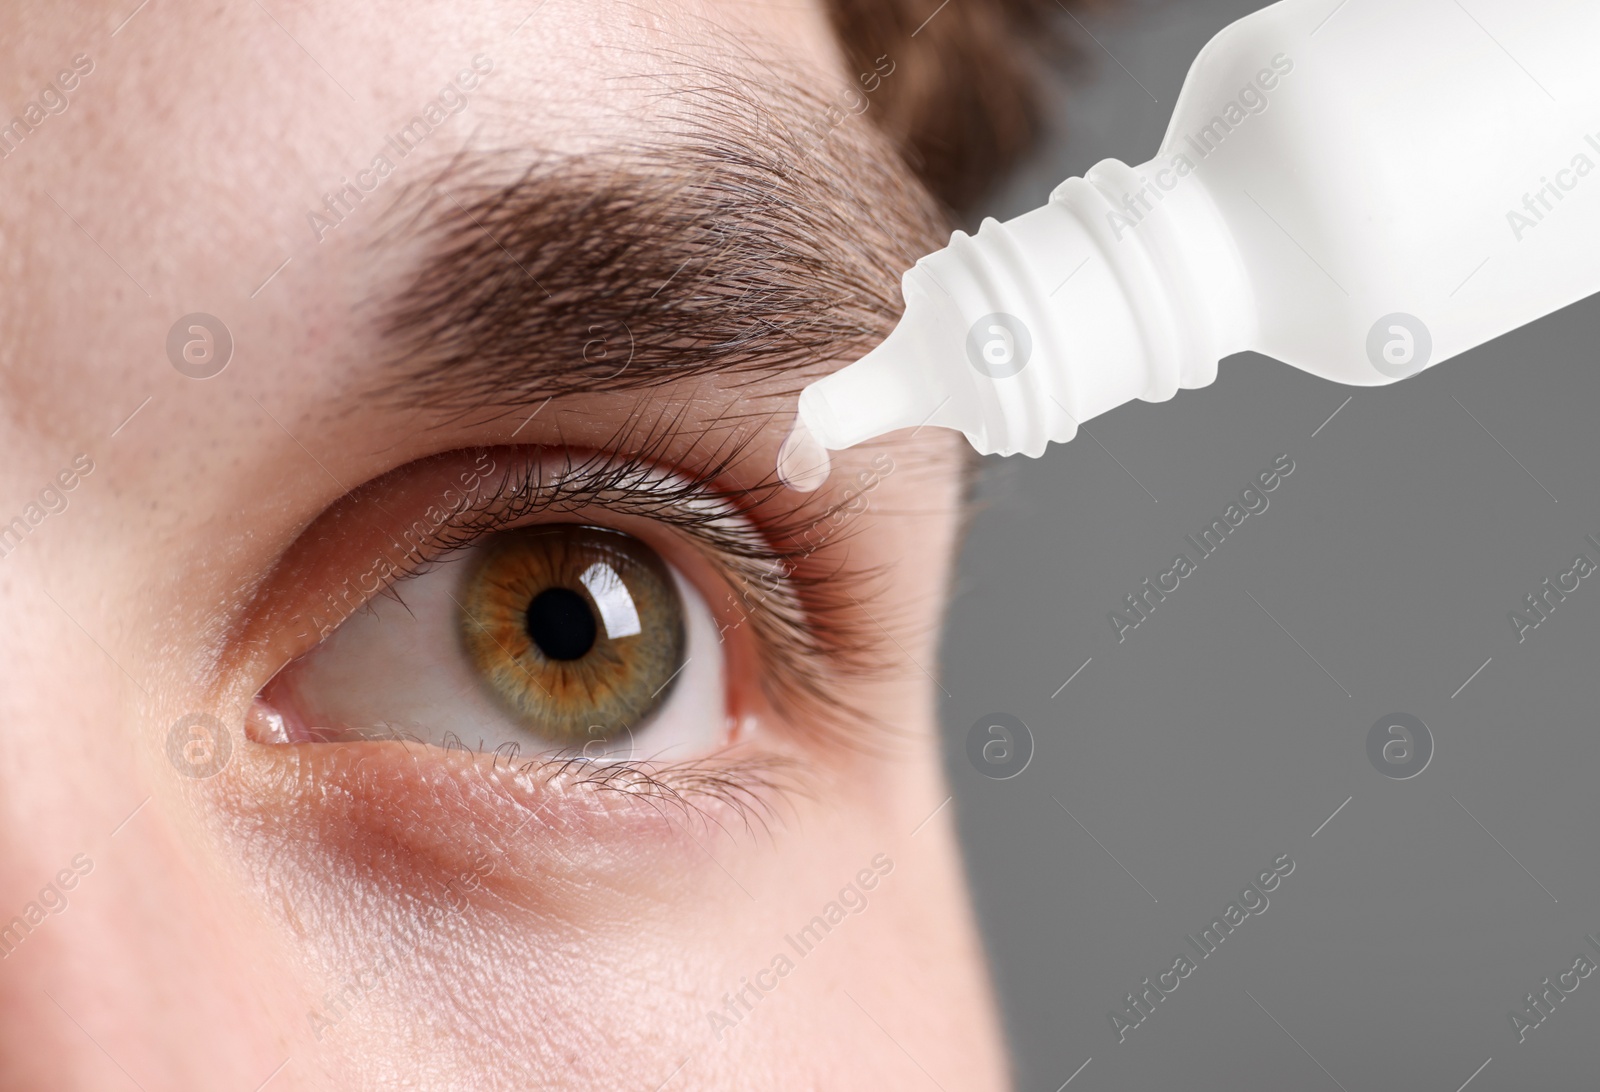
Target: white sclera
397, 670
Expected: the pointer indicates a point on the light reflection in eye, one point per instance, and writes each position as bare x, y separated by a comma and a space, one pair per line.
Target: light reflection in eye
612, 599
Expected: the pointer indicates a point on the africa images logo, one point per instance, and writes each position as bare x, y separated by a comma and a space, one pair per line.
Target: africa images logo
1185, 158
1253, 500
1252, 902
1544, 200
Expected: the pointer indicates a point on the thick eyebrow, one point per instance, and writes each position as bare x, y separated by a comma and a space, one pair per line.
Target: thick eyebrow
759, 238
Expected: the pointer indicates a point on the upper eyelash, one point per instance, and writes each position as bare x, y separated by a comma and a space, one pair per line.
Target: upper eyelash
811, 632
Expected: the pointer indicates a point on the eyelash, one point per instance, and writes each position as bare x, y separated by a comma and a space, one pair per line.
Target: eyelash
809, 632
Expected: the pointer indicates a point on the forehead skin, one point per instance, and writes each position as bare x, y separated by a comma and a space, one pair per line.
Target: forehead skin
227, 125
179, 178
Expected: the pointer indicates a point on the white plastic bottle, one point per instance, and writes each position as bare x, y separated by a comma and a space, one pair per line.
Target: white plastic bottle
1359, 189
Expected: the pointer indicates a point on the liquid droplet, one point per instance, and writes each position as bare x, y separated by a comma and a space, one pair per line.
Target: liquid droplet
802, 460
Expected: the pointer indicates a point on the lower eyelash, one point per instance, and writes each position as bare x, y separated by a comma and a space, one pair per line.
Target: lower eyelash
748, 787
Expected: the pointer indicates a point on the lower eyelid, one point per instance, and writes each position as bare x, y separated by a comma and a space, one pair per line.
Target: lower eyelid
562, 842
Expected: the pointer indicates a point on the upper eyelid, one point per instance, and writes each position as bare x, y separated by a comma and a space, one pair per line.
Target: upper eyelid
621, 486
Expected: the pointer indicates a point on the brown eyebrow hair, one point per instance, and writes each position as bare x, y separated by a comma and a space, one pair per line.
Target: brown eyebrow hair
740, 244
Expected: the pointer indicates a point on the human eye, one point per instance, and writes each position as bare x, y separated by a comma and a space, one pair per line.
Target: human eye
550, 639
553, 608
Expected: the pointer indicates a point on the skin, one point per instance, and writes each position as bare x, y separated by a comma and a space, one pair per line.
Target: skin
584, 940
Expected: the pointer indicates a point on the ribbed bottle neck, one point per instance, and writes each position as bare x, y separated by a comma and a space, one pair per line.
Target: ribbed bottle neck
1176, 260
1016, 335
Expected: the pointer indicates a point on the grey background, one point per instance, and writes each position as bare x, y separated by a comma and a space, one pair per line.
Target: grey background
1225, 730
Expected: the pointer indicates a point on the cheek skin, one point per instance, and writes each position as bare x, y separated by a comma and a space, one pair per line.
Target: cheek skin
439, 904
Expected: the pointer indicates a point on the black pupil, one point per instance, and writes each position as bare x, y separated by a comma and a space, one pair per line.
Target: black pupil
560, 622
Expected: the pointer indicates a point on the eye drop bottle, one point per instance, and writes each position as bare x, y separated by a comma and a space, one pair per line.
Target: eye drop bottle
1359, 189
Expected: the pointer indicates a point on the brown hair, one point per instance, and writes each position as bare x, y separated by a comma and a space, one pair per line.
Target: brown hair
964, 103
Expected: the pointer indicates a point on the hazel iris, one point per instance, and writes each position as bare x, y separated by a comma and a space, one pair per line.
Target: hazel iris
578, 631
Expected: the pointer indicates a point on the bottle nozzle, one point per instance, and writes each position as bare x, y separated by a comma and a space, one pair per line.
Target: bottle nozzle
900, 384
